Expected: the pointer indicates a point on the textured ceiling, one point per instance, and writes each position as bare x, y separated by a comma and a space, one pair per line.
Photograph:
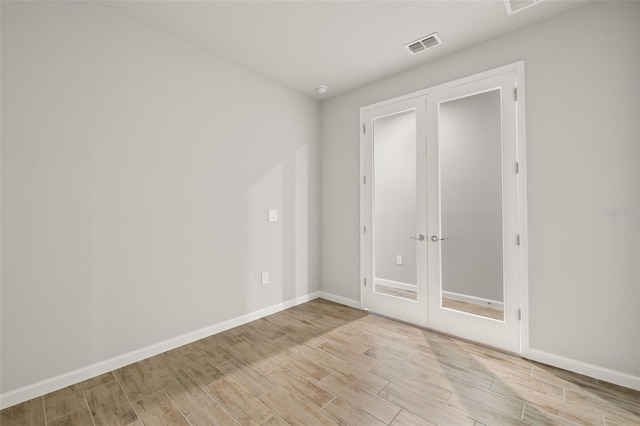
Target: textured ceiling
341, 44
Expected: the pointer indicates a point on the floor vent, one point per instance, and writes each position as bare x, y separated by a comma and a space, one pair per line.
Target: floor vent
424, 43
514, 6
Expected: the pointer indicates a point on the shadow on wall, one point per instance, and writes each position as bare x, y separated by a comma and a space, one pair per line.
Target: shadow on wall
278, 246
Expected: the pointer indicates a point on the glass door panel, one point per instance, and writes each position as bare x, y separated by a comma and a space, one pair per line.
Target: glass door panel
470, 149
394, 212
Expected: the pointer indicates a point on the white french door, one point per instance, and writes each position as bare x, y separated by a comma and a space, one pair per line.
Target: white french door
473, 213
395, 223
441, 209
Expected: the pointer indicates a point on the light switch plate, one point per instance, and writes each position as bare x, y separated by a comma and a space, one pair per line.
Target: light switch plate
264, 278
399, 259
273, 216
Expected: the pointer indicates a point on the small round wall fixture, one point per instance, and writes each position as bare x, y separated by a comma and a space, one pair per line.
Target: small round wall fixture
322, 89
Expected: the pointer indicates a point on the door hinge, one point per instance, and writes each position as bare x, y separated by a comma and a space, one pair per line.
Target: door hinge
364, 180
518, 239
515, 93
365, 282
363, 129
519, 315
364, 230
517, 167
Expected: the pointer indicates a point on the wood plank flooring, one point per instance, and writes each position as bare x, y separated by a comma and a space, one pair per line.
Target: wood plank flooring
325, 364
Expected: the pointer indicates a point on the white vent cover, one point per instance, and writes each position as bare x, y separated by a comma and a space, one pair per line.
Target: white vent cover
424, 43
514, 6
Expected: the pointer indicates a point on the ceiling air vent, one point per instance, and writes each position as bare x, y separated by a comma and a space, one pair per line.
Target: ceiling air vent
514, 6
424, 43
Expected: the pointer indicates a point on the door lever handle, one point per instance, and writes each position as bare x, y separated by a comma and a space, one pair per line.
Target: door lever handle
418, 237
435, 238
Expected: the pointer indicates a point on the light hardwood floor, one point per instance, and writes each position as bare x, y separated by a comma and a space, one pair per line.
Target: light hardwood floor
324, 364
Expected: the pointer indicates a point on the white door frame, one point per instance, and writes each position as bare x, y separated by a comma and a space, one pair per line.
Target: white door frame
523, 283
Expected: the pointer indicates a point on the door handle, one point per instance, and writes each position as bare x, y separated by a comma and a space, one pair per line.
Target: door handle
435, 238
418, 237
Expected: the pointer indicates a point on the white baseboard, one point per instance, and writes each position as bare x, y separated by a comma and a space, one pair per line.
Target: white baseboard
600, 373
396, 284
341, 300
35, 390
473, 299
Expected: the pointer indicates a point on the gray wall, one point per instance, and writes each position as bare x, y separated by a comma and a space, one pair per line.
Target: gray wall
137, 172
582, 76
394, 182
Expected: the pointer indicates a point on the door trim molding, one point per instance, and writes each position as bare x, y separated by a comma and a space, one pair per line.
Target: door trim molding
518, 67
521, 145
363, 210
